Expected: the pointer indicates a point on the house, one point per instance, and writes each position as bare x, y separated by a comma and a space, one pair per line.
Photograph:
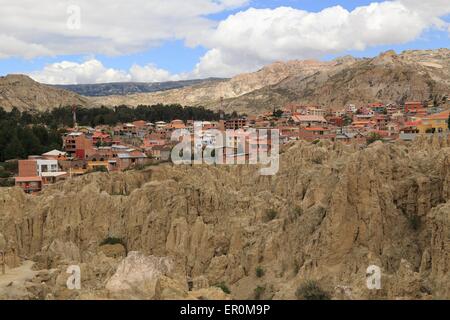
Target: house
55, 155
434, 123
235, 124
77, 145
314, 133
377, 107
97, 161
161, 153
308, 120
416, 108
100, 138
177, 124
350, 137
413, 106
130, 158
30, 184
37, 172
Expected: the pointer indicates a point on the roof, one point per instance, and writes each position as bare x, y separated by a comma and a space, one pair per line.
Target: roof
29, 179
55, 153
75, 134
308, 118
129, 156
438, 116
54, 174
413, 123
315, 129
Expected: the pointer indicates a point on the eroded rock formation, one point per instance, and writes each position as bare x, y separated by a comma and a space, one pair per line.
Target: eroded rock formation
330, 212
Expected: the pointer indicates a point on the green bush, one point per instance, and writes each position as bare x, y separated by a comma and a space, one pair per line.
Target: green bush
112, 240
260, 272
259, 291
224, 287
99, 169
310, 290
372, 137
271, 214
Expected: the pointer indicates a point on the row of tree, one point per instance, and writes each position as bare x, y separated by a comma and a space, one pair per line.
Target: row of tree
31, 133
111, 116
17, 141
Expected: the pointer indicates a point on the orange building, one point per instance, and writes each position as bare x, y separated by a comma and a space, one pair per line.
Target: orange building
76, 144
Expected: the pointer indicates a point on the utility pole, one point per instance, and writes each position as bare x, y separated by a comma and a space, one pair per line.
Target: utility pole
74, 115
221, 112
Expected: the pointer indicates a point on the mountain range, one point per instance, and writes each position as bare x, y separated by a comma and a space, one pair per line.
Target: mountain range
421, 75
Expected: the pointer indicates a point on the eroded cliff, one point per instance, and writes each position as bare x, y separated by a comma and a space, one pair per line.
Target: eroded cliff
330, 212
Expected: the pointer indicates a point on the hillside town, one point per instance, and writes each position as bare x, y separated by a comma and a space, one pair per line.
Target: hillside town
140, 143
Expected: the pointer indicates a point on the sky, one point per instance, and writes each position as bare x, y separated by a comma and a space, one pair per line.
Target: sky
97, 41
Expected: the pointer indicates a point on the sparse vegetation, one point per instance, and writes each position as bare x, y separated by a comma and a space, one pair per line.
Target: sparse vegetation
112, 240
259, 292
271, 214
414, 222
99, 169
224, 287
310, 290
372, 137
260, 272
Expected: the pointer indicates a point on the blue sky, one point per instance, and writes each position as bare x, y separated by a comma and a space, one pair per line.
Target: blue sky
177, 56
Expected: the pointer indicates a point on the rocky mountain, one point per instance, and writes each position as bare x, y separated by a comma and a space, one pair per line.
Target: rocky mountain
26, 94
332, 211
389, 78
125, 88
210, 93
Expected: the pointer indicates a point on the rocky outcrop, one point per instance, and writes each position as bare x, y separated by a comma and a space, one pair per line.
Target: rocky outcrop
330, 212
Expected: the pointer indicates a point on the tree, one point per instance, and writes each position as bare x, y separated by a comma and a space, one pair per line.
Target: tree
277, 113
14, 149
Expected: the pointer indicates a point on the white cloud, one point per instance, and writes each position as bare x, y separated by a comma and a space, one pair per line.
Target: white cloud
255, 37
242, 42
106, 27
151, 73
93, 71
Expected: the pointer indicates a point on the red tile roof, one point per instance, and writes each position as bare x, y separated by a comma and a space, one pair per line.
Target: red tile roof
29, 179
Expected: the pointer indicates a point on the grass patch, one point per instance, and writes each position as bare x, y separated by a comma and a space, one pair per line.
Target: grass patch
259, 292
271, 214
310, 290
260, 272
224, 287
112, 240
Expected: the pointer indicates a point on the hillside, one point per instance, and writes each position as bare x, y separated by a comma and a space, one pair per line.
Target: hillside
388, 78
210, 93
411, 75
125, 88
330, 212
28, 95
